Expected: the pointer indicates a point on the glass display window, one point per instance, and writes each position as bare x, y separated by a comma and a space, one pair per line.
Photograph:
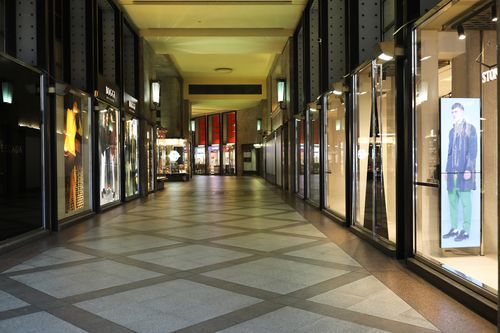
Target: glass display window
229, 143
214, 140
301, 146
214, 159
270, 154
173, 156
150, 160
375, 151
335, 171
200, 160
74, 152
131, 156
455, 123
109, 153
314, 154
21, 163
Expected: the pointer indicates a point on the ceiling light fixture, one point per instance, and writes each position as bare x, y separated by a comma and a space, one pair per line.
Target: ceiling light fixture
223, 70
494, 17
460, 32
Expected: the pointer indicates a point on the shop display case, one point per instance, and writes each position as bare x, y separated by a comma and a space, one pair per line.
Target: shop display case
173, 158
74, 152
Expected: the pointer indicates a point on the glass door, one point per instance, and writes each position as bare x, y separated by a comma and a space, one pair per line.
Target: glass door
375, 150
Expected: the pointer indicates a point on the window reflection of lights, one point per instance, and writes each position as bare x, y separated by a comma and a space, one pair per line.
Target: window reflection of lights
362, 154
361, 93
32, 126
483, 119
425, 58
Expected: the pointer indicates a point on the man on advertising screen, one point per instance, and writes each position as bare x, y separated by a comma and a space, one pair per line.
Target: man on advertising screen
460, 173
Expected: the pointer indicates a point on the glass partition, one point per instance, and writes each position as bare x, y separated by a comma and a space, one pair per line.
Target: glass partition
278, 154
314, 155
229, 146
214, 138
455, 168
74, 154
20, 150
131, 153
375, 150
109, 153
200, 141
335, 172
150, 160
300, 142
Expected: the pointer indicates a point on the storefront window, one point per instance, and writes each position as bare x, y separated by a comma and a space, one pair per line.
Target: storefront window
200, 141
375, 150
214, 147
336, 155
229, 147
20, 150
300, 155
314, 155
131, 156
150, 159
278, 155
456, 204
109, 154
173, 156
73, 154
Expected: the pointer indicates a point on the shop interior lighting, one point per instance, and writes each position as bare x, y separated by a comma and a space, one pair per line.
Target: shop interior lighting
494, 17
387, 51
460, 32
259, 124
155, 92
281, 86
339, 88
7, 92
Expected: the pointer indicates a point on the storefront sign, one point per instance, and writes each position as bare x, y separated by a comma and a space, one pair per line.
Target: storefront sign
132, 105
460, 172
490, 75
174, 155
110, 93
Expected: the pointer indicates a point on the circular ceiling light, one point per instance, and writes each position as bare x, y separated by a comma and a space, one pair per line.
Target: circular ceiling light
224, 70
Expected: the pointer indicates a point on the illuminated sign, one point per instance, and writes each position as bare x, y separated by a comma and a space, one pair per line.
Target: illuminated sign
174, 155
110, 93
490, 75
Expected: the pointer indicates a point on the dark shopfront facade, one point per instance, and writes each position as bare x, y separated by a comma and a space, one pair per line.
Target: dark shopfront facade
389, 138
67, 112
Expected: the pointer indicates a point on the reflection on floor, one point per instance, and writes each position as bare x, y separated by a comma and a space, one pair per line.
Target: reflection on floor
213, 255
483, 269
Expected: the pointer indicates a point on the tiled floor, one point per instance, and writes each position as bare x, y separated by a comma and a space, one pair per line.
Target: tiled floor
217, 255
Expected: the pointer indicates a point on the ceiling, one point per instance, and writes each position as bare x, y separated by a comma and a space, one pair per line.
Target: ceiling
200, 36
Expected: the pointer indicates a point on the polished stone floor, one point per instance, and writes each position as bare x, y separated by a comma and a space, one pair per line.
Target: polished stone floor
217, 255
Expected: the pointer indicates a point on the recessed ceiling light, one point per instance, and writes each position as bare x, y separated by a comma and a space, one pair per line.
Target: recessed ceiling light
224, 70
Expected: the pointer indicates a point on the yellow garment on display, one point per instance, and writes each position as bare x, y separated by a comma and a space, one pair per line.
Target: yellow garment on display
70, 133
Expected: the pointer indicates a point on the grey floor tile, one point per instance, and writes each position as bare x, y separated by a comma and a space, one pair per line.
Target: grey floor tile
202, 232
98, 232
290, 320
255, 211
57, 255
126, 243
294, 216
276, 275
264, 242
39, 322
305, 229
258, 223
189, 257
167, 306
9, 302
327, 252
64, 282
153, 224
208, 217
370, 296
